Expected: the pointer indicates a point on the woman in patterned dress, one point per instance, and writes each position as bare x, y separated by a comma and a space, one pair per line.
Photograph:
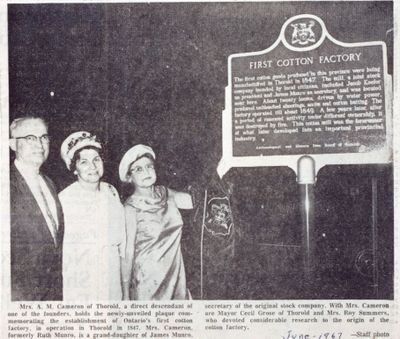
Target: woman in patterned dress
154, 229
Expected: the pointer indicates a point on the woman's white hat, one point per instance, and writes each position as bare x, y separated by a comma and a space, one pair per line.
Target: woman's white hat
130, 156
75, 142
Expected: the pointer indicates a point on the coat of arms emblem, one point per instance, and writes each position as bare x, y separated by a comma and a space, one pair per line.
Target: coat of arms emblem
303, 33
218, 219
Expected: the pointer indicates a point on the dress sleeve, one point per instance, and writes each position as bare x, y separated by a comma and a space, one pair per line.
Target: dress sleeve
182, 200
122, 231
131, 228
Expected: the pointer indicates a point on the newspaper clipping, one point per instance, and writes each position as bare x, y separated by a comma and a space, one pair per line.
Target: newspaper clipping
198, 170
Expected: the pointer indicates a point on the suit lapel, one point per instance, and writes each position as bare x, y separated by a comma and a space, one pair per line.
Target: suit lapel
26, 192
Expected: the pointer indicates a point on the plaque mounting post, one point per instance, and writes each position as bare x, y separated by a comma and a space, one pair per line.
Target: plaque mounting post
306, 179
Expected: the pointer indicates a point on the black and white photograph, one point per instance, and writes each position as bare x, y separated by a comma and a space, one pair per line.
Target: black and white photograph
200, 152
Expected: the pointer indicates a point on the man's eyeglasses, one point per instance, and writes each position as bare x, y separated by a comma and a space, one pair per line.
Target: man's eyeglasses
30, 139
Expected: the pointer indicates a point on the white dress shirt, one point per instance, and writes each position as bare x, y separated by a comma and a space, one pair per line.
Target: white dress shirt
36, 183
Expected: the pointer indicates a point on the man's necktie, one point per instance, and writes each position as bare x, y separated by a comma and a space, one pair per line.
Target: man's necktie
53, 226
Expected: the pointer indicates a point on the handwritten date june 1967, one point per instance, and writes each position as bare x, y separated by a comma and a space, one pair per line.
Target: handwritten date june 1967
326, 335
334, 335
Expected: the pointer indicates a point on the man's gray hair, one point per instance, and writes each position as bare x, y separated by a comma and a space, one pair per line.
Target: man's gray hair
16, 123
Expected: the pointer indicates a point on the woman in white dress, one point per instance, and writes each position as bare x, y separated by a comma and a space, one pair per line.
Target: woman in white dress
94, 238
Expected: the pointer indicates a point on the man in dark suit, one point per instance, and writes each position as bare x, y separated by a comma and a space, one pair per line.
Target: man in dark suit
37, 226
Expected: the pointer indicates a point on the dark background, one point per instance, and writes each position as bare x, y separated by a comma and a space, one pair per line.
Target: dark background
156, 74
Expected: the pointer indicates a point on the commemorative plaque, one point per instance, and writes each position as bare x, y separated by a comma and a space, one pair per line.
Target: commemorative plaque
307, 94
